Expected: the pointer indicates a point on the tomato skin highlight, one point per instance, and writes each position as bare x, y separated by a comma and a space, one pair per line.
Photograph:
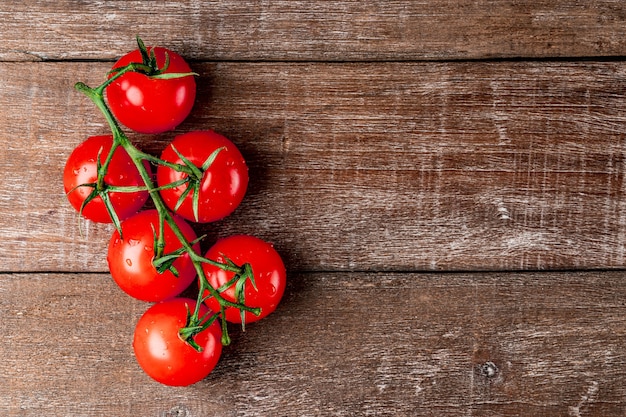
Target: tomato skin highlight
268, 269
81, 168
152, 105
130, 259
162, 353
223, 185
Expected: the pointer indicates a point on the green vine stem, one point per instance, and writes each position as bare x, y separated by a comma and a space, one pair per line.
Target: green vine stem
162, 261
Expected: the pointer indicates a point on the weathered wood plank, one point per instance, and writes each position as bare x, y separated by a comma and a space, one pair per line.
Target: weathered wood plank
366, 166
340, 344
389, 166
314, 29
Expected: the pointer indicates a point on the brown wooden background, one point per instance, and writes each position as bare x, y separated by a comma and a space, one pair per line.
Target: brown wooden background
445, 180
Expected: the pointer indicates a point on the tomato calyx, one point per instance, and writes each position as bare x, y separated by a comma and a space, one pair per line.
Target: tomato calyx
102, 189
240, 294
193, 180
149, 66
196, 324
165, 262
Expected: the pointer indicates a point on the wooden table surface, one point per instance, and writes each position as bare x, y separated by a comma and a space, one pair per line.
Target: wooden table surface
446, 181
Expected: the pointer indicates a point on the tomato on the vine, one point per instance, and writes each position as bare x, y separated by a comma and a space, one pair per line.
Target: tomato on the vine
162, 353
130, 258
267, 267
81, 168
149, 104
153, 255
222, 186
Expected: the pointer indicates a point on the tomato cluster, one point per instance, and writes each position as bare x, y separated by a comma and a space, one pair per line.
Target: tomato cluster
154, 253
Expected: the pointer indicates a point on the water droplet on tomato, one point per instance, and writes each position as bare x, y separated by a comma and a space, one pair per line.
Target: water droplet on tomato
76, 171
129, 262
133, 242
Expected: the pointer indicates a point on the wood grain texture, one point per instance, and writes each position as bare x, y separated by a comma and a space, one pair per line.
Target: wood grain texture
340, 344
383, 138
314, 30
378, 166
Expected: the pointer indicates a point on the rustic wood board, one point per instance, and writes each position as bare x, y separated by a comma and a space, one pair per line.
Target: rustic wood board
341, 344
385, 139
314, 30
378, 166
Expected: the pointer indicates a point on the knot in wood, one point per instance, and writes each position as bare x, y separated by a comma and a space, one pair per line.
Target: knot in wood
489, 369
178, 411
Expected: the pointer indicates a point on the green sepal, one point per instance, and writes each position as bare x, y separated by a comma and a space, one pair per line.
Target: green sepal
225, 336
196, 201
87, 184
171, 184
143, 51
193, 327
132, 67
193, 169
172, 75
91, 196
189, 331
240, 294
211, 158
248, 272
166, 263
194, 184
228, 284
104, 195
182, 196
148, 58
240, 298
163, 263
107, 204
158, 71
228, 261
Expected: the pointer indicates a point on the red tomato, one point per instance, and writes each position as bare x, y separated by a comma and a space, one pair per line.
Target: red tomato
267, 267
130, 259
152, 105
223, 184
163, 354
81, 168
